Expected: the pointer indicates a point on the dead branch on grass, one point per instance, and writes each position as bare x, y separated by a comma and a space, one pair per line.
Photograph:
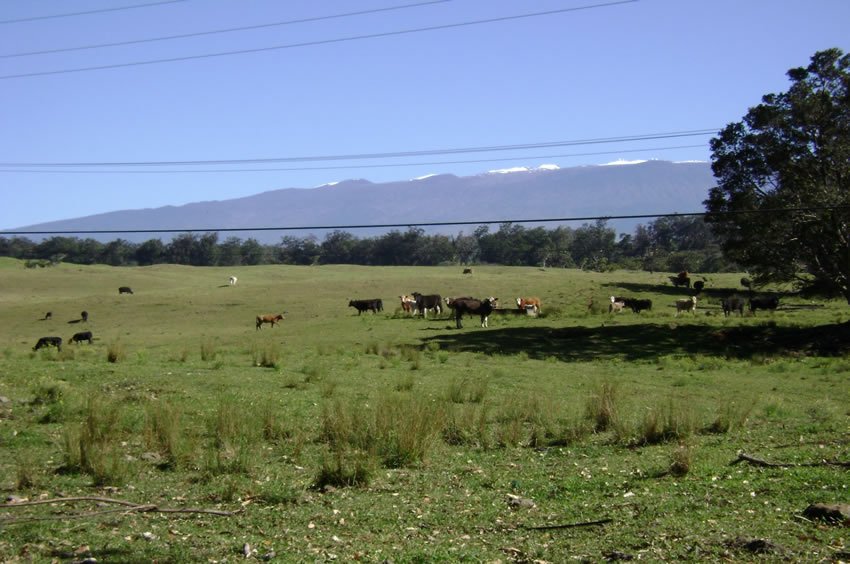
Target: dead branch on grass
128, 507
567, 525
743, 457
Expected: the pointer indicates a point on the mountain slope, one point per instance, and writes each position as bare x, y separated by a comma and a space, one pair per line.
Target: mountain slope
645, 188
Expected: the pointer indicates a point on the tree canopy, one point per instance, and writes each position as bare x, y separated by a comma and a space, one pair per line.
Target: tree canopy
782, 203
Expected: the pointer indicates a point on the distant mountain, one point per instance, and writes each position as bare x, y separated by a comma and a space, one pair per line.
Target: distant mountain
515, 194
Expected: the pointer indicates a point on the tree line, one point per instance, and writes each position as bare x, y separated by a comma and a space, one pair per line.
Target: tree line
666, 244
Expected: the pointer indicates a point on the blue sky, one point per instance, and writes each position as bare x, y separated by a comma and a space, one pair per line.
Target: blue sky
601, 70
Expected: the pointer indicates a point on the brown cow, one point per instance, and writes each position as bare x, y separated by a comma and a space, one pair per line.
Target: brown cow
269, 318
521, 303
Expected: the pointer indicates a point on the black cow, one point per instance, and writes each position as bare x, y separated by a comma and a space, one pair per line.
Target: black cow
681, 279
125, 290
635, 304
467, 271
48, 316
763, 302
732, 304
698, 286
375, 305
84, 315
48, 342
431, 301
81, 336
476, 307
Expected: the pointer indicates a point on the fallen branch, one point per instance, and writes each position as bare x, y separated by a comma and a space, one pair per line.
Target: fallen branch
568, 525
743, 457
128, 507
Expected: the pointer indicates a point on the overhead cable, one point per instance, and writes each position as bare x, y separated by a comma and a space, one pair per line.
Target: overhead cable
367, 156
317, 42
348, 167
89, 12
219, 31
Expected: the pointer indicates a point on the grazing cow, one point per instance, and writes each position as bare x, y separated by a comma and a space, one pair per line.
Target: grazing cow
732, 304
125, 290
431, 301
699, 285
81, 336
521, 303
635, 304
269, 318
48, 316
616, 306
467, 271
763, 302
475, 307
374, 305
689, 304
681, 279
48, 342
233, 280
84, 316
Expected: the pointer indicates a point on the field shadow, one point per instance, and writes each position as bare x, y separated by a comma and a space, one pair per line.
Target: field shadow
649, 341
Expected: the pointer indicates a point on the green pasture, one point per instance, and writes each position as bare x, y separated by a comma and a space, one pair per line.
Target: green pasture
338, 436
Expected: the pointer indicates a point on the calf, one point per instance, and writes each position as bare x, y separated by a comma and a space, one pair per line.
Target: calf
616, 306
472, 306
125, 290
467, 271
232, 281
763, 302
84, 316
408, 304
689, 304
431, 301
81, 336
521, 303
48, 342
374, 305
732, 304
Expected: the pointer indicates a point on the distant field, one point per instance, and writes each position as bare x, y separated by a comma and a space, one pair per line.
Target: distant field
383, 437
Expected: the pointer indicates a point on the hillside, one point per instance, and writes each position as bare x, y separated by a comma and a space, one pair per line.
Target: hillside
644, 188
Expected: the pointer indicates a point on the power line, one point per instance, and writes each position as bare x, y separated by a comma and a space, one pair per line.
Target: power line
349, 167
366, 156
317, 42
219, 31
89, 12
429, 224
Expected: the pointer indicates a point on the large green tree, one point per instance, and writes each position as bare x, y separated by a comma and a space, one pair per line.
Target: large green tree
782, 202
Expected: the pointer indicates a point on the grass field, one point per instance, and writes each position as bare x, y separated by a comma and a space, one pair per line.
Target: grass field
386, 438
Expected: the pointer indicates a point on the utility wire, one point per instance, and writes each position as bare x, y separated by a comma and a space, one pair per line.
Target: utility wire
72, 14
219, 31
429, 224
317, 42
366, 156
349, 167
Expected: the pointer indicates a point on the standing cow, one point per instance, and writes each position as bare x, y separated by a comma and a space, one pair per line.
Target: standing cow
474, 307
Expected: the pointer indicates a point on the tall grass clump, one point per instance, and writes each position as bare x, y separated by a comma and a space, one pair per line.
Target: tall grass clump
267, 355
601, 407
115, 352
467, 390
163, 433
406, 428
466, 425
681, 460
272, 423
93, 447
341, 468
732, 416
668, 422
233, 438
209, 350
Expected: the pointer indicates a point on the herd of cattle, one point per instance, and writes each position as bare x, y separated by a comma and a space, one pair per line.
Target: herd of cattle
420, 304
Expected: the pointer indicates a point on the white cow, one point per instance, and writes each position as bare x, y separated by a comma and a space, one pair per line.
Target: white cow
233, 280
